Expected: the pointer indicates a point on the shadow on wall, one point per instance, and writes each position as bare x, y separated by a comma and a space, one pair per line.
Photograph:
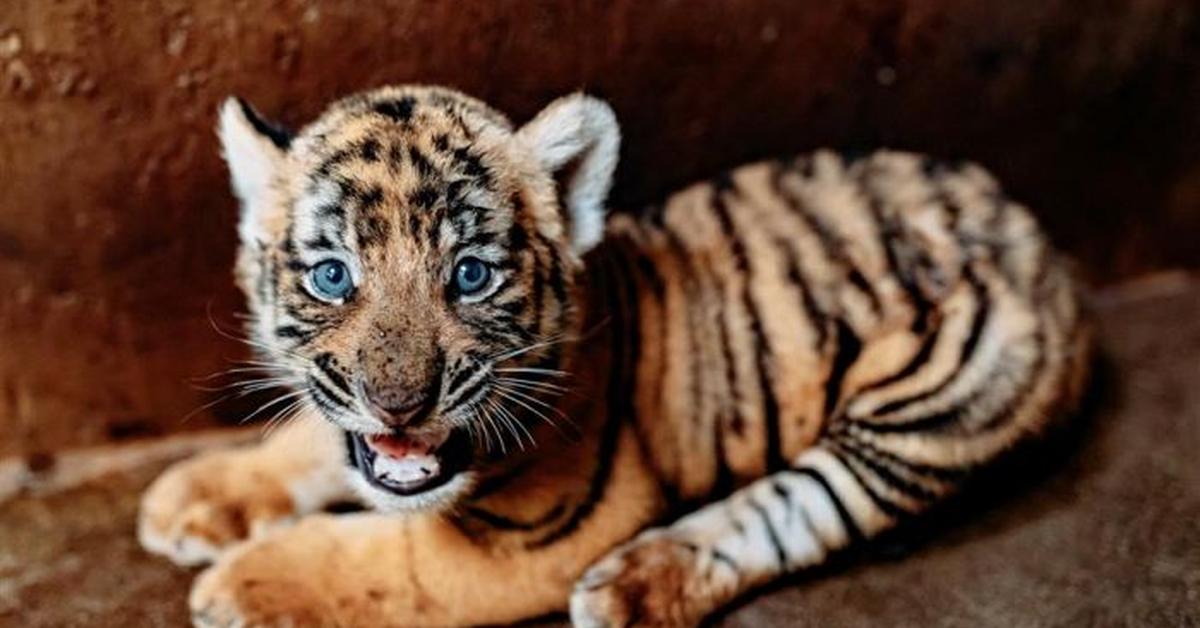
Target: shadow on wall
116, 227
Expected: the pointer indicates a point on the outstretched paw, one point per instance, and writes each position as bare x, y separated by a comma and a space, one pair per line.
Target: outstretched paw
199, 508
654, 580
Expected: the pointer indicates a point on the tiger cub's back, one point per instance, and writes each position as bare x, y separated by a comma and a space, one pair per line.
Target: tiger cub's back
814, 298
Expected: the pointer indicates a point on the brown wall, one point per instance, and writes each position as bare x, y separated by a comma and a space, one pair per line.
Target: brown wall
116, 228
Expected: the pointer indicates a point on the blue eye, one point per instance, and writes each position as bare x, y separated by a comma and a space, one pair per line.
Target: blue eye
330, 280
471, 275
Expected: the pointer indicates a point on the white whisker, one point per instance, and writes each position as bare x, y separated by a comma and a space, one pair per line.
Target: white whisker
513, 422
532, 369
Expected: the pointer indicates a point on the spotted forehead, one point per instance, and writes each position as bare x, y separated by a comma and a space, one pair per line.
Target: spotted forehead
396, 163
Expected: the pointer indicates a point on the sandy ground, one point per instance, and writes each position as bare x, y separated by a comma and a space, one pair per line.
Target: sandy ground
1100, 527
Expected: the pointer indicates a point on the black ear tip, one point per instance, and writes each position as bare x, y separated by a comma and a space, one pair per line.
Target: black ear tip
277, 134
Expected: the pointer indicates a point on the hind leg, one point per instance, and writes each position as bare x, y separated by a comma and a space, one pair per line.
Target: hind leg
887, 455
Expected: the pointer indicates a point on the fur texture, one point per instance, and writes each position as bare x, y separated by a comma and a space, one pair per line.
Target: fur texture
663, 411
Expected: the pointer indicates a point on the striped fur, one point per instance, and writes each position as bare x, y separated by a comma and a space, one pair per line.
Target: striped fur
765, 369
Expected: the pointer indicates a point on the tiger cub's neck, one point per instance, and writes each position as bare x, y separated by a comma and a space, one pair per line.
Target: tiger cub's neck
586, 465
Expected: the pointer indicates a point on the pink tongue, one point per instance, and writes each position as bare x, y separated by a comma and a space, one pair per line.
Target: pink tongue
398, 446
408, 445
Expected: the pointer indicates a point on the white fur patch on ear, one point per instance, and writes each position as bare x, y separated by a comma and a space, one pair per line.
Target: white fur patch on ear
254, 151
583, 131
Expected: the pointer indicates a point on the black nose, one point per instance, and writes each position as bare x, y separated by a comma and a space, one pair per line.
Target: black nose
397, 408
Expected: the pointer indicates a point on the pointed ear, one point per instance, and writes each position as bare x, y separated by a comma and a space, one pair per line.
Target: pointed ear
254, 150
577, 138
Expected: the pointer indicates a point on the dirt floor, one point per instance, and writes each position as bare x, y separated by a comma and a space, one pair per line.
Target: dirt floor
1100, 527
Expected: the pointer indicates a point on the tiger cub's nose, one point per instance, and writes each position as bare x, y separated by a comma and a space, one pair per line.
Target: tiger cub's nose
399, 408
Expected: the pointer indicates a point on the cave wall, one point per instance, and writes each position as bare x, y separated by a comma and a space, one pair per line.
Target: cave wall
116, 227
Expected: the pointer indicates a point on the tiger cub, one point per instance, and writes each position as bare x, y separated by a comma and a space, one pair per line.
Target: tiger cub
634, 419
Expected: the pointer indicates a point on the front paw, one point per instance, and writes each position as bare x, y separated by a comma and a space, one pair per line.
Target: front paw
654, 580
235, 592
200, 507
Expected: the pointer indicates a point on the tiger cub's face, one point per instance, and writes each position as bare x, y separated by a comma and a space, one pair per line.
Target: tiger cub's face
409, 266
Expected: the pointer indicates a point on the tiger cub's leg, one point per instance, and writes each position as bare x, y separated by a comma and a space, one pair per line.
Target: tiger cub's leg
201, 506
890, 452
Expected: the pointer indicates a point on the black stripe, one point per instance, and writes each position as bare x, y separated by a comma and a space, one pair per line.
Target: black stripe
693, 296
781, 489
293, 311
919, 359
276, 134
980, 317
459, 379
399, 110
482, 329
723, 480
952, 416
294, 332
326, 395
848, 522
319, 243
424, 197
537, 292
772, 535
721, 209
621, 386
831, 243
491, 484
514, 308
888, 237
468, 394
848, 348
351, 456
734, 419
472, 166
925, 423
500, 522
370, 230
325, 362
887, 506
945, 475
762, 348
816, 318
889, 476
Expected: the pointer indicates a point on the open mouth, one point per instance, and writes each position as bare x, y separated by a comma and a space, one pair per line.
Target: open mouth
408, 465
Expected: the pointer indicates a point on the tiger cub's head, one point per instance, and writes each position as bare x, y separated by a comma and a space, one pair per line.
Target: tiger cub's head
408, 260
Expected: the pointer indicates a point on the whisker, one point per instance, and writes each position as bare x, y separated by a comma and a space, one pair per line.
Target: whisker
507, 394
520, 399
283, 397
282, 417
511, 420
508, 424
487, 444
470, 427
546, 387
532, 399
252, 384
549, 342
491, 422
532, 369
248, 341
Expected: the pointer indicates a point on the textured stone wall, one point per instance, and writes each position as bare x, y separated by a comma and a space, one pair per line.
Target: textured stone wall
116, 227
